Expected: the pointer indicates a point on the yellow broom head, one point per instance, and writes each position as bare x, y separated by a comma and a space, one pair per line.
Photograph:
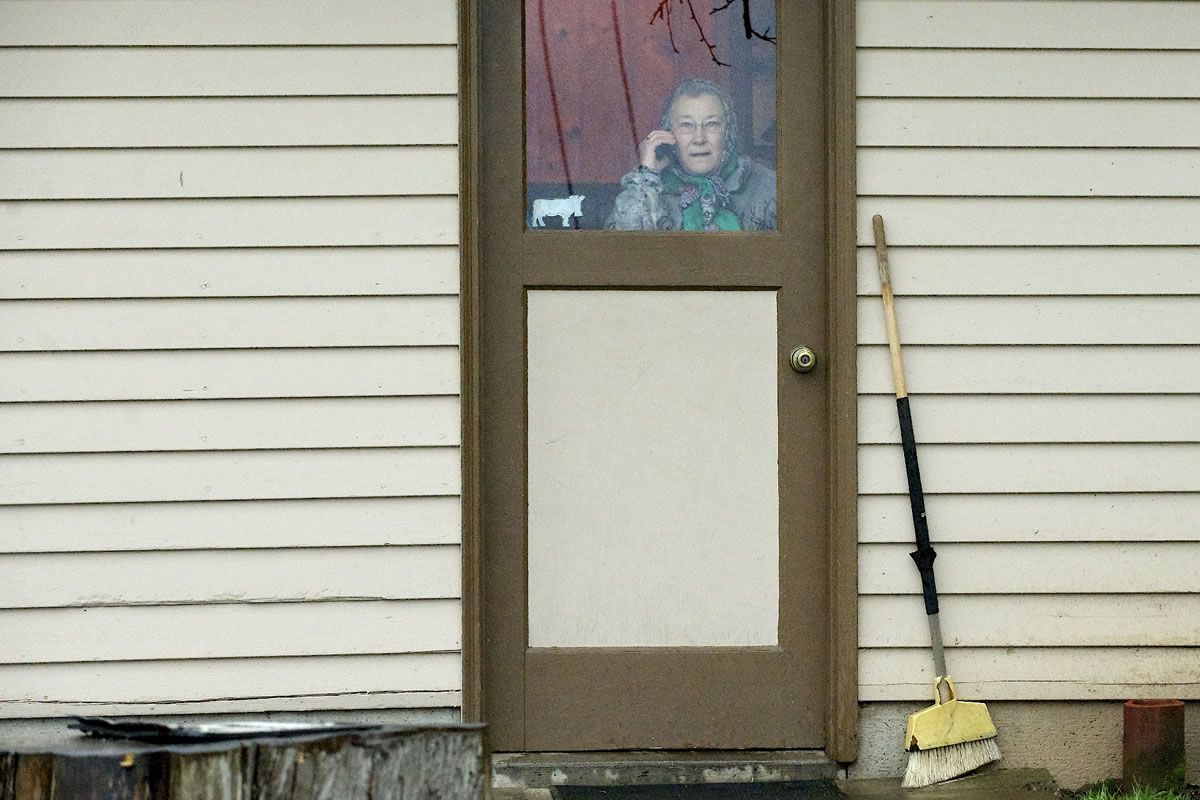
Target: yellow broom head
948, 722
948, 739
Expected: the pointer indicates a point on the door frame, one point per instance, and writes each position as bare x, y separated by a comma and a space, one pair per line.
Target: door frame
841, 528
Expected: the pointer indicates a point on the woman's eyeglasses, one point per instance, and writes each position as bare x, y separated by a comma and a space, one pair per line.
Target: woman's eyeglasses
687, 127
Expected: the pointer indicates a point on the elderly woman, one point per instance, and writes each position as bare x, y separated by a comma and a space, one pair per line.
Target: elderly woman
691, 176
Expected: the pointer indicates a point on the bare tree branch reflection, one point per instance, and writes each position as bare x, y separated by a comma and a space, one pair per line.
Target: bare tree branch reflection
663, 11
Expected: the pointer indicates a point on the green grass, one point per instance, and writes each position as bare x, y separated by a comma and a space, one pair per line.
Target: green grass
1112, 791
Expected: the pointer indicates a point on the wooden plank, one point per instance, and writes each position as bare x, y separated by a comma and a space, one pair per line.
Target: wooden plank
1110, 517
223, 684
1036, 320
243, 122
27, 325
228, 172
230, 576
1024, 73
1032, 221
1034, 673
443, 701
1105, 568
230, 631
266, 222
398, 763
1116, 369
1021, 419
1026, 123
1033, 468
236, 475
1028, 24
96, 427
244, 272
227, 71
1016, 271
1023, 172
183, 374
109, 776
225, 22
230, 524
1144, 620
213, 775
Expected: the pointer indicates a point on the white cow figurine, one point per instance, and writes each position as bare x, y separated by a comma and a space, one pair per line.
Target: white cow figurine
565, 207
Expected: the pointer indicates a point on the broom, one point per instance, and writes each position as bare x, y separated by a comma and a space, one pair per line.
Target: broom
950, 737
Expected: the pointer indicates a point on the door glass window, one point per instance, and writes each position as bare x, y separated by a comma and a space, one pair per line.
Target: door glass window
650, 115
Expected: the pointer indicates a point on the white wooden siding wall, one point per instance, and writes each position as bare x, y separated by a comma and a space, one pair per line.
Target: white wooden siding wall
229, 367
1038, 168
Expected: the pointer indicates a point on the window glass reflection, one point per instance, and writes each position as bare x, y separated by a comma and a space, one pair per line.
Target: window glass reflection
640, 116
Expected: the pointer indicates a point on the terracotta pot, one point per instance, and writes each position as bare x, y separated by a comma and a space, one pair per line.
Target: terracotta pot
1154, 755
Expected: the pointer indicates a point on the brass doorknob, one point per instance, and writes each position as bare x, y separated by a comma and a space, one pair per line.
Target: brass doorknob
803, 359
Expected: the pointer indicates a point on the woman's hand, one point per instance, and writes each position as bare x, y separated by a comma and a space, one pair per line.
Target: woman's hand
652, 142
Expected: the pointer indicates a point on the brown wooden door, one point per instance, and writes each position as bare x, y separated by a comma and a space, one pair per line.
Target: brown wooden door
565, 316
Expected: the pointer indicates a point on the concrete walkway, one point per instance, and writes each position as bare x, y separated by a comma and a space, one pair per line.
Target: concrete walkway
994, 784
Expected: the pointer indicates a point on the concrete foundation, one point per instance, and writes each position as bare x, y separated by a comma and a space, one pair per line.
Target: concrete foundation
659, 767
1078, 742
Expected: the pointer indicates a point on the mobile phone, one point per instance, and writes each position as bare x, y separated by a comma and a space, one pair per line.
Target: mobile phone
663, 151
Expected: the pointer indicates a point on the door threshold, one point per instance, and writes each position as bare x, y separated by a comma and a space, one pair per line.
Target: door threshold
656, 767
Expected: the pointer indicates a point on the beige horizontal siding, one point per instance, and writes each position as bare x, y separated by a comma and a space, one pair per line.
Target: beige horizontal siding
1034, 673
1012, 517
308, 683
230, 465
1020, 73
231, 525
228, 475
227, 71
1017, 568
203, 374
245, 576
1027, 419
1041, 620
295, 222
1079, 320
228, 122
230, 631
1024, 172
1062, 24
27, 325
225, 22
237, 702
1031, 369
1008, 221
1035, 163
233, 272
1025, 468
1018, 271
97, 427
980, 122
229, 172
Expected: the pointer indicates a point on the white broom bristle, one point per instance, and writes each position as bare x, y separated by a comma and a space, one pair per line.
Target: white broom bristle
943, 763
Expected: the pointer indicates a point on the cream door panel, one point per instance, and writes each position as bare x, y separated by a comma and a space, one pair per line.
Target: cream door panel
653, 468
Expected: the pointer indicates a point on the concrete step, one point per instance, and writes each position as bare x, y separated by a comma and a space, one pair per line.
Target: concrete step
988, 784
657, 767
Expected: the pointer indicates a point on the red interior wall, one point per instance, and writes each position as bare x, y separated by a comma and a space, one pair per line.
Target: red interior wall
580, 43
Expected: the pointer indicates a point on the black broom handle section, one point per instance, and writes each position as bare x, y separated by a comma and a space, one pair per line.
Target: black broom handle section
924, 554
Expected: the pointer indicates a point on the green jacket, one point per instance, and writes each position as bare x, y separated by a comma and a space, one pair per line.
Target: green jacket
645, 205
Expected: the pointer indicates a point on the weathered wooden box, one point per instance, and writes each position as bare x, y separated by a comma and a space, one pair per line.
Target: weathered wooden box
448, 762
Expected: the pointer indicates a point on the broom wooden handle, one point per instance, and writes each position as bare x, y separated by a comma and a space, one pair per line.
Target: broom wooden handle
889, 307
924, 555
